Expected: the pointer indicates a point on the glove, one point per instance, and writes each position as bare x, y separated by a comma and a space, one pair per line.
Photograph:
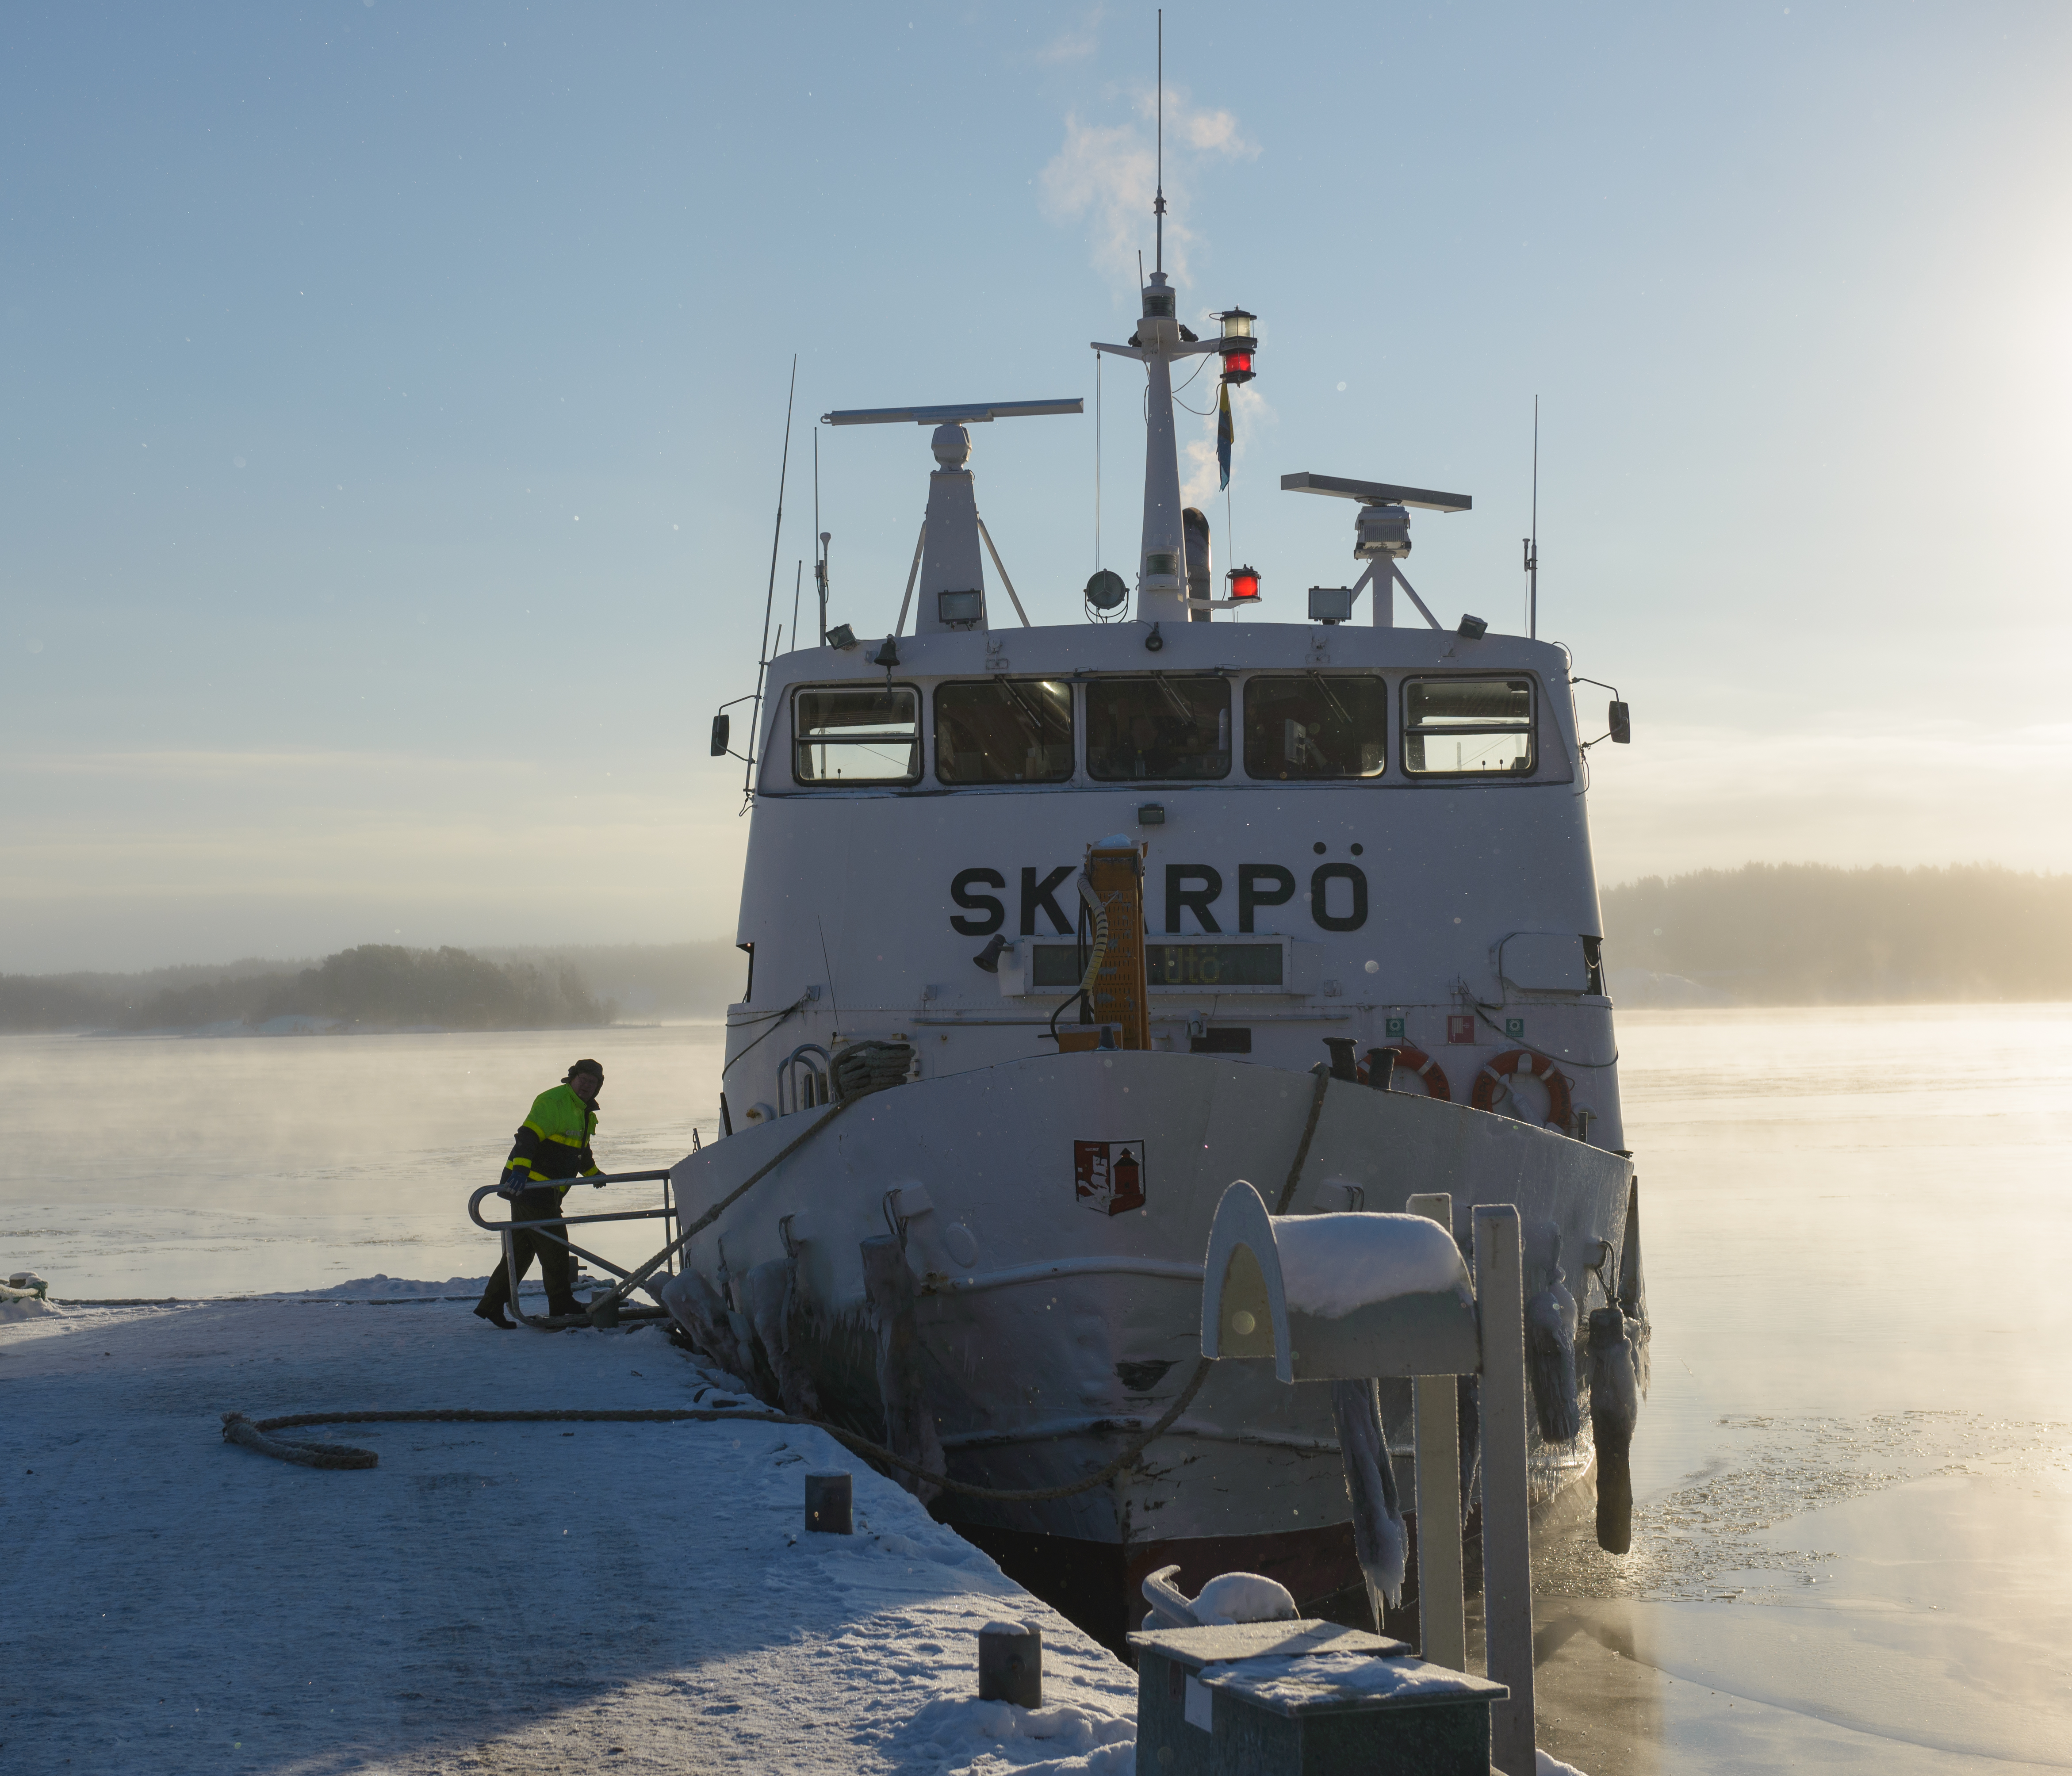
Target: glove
509, 1190
596, 1183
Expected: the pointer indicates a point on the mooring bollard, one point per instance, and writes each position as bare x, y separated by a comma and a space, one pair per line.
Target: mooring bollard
1010, 1664
828, 1507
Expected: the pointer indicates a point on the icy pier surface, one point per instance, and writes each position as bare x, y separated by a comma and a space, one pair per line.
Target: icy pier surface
507, 1597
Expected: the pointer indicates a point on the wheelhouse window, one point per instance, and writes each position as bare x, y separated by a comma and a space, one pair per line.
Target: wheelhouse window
1004, 731
1161, 727
849, 735
1467, 727
1303, 726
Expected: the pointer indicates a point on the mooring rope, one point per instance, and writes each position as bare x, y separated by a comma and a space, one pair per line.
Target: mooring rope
253, 1435
1309, 1134
637, 1279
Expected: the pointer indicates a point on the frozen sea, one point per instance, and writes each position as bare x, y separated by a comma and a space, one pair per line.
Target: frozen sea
1853, 1535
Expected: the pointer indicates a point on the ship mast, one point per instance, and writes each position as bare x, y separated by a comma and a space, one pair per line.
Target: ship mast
1161, 562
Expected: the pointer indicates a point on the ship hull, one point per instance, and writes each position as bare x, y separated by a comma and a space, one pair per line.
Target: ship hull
1057, 1294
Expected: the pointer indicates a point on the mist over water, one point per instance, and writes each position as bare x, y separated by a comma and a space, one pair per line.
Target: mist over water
158, 1166
1853, 1545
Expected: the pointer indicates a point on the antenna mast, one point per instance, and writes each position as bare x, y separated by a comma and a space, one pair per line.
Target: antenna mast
1158, 205
819, 551
1532, 542
770, 595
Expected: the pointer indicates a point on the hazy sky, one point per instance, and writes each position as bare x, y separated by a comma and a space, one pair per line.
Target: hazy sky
393, 395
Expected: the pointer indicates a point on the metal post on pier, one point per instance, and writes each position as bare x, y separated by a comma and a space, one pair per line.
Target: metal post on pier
1442, 1616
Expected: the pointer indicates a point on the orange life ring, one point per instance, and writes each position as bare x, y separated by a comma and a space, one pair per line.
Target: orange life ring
1420, 1063
1560, 1098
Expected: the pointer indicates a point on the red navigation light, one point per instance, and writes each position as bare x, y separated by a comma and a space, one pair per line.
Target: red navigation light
1236, 344
1244, 584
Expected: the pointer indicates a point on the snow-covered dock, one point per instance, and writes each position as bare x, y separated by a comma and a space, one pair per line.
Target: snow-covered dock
497, 1597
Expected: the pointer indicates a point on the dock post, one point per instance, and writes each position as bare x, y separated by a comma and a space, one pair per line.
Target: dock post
829, 1506
1010, 1664
1442, 1617
1507, 1532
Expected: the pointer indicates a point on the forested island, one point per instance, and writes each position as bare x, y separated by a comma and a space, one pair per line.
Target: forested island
372, 987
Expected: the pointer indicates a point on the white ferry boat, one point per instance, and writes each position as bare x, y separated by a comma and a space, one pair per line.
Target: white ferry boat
1316, 857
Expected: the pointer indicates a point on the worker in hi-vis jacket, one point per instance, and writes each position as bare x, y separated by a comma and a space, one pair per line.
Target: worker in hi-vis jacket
553, 1145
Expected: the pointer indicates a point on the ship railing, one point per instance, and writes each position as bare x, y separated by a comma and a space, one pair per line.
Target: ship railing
613, 1313
804, 1083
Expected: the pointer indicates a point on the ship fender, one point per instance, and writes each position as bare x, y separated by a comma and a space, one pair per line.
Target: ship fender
1416, 1061
768, 1294
1561, 1096
1614, 1411
695, 1302
910, 1427
1550, 1345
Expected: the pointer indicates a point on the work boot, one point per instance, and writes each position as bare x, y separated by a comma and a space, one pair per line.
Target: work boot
493, 1312
567, 1307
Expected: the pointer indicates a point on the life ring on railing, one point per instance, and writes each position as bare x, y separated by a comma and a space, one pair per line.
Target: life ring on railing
1560, 1097
1420, 1063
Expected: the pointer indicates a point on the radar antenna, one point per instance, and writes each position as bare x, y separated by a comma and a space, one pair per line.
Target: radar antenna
947, 563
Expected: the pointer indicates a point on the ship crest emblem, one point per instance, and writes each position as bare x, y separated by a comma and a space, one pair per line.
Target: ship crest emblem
1108, 1176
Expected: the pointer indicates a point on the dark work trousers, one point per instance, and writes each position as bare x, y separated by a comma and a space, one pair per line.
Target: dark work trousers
558, 1263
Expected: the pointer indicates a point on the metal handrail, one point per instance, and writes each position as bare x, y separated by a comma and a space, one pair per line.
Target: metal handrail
545, 1229
818, 1089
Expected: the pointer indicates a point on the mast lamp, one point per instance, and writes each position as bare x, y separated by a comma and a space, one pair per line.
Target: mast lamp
1244, 585
1236, 344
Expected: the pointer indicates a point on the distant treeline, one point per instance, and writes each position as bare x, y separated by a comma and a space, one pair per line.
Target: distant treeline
376, 986
1806, 934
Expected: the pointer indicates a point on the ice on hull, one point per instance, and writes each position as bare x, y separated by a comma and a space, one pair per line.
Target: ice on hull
1054, 1328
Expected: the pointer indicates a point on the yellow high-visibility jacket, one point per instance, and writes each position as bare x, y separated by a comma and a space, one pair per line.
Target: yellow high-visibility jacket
553, 1143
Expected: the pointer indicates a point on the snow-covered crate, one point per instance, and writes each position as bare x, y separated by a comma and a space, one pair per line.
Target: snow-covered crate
1303, 1699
